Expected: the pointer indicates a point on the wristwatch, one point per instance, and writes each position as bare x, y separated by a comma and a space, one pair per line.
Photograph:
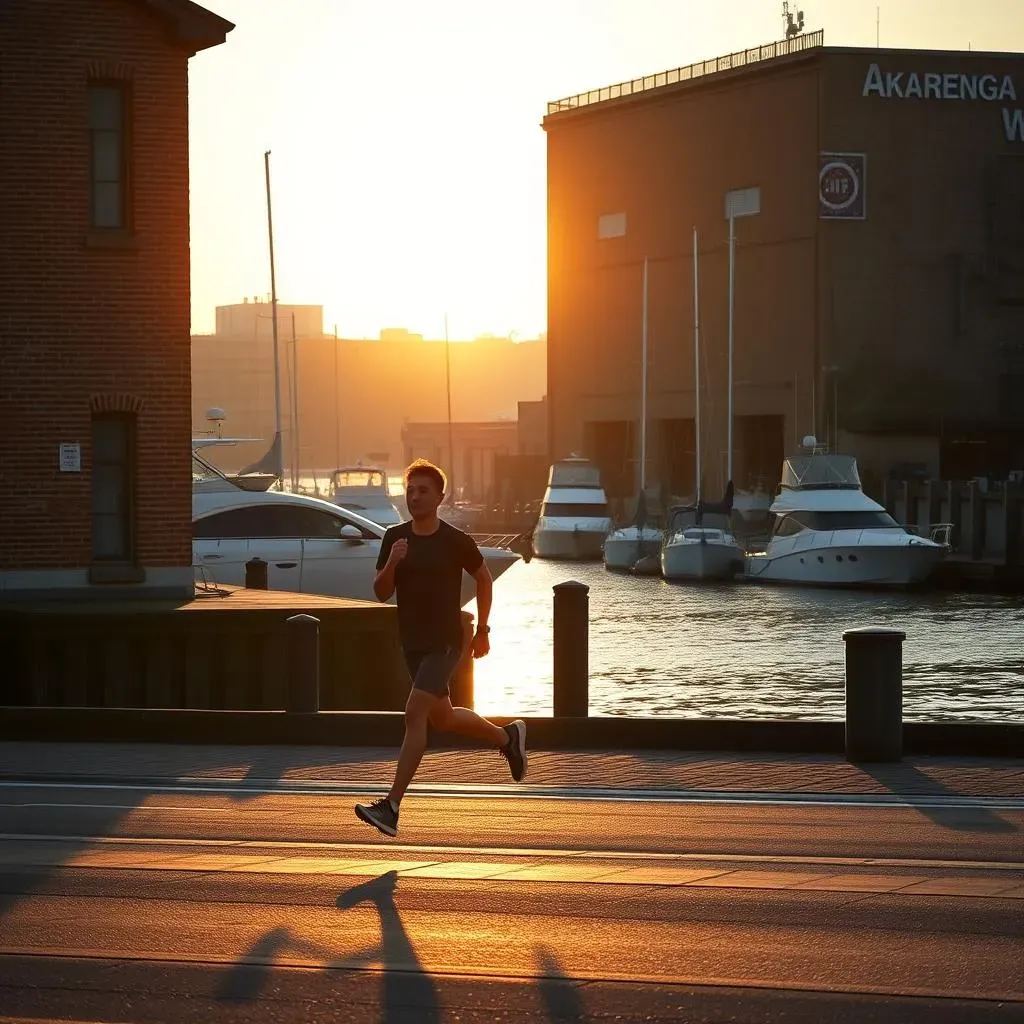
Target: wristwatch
483, 629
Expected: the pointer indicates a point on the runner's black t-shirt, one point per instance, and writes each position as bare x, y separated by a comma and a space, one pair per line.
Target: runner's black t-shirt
428, 583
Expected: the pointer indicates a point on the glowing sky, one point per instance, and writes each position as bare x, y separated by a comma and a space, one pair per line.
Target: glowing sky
408, 163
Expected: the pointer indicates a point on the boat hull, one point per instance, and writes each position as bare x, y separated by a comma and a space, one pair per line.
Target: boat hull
849, 565
623, 549
701, 560
579, 544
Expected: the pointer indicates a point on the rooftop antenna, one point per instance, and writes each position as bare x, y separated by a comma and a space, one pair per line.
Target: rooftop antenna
792, 19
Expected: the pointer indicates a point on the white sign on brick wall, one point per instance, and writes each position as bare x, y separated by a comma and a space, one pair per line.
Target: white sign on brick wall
70, 458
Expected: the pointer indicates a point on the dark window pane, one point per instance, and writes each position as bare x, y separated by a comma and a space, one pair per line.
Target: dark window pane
112, 480
237, 523
106, 205
109, 540
110, 440
108, 489
582, 511
106, 157
106, 108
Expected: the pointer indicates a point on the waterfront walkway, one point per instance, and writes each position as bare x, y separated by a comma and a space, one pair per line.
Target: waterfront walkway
200, 883
643, 770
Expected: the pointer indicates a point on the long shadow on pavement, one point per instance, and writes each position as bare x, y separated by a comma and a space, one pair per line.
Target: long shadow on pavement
561, 996
963, 819
407, 991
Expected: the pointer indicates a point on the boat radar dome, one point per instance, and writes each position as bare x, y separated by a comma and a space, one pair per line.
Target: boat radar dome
810, 441
216, 414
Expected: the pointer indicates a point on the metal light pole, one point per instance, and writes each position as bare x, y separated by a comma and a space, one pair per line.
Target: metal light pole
744, 202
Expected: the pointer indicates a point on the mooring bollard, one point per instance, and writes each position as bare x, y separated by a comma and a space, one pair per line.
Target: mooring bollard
874, 694
303, 665
256, 574
571, 669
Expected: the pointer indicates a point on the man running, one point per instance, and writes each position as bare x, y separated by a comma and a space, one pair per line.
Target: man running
423, 560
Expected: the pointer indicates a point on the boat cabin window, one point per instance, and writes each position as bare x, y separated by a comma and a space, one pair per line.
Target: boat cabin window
363, 478
567, 510
793, 522
273, 521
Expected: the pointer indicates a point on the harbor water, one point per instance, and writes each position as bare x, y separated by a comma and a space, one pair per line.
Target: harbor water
748, 650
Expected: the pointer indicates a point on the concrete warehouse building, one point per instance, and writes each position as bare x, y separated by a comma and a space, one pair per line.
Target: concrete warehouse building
879, 263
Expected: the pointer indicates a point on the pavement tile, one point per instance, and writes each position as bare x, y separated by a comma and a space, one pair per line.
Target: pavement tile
761, 879
307, 865
860, 883
658, 876
556, 873
461, 869
962, 887
373, 868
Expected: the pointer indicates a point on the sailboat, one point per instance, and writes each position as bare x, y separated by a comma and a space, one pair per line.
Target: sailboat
635, 547
699, 543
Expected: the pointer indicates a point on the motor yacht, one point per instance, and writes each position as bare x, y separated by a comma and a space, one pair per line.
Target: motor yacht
364, 489
826, 531
574, 519
699, 543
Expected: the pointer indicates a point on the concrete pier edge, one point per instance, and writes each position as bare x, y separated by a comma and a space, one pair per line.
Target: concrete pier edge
385, 729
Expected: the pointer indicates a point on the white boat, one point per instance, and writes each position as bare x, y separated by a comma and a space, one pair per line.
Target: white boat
574, 519
699, 543
311, 546
206, 477
635, 548
753, 505
827, 532
364, 489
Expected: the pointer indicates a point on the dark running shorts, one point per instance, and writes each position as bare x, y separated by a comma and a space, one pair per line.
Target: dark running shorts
432, 671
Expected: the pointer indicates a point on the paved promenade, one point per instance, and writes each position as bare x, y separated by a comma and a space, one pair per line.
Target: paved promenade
637, 770
229, 883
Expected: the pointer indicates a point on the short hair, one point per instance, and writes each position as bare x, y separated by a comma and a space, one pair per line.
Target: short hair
423, 467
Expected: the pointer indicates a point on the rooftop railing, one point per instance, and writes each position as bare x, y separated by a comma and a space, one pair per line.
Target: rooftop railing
743, 58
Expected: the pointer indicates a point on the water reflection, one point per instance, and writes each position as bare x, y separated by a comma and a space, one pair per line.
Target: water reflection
748, 650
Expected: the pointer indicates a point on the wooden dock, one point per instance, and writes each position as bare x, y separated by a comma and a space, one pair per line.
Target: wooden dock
227, 648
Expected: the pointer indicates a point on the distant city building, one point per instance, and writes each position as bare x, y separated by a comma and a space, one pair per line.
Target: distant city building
353, 396
94, 296
470, 460
879, 270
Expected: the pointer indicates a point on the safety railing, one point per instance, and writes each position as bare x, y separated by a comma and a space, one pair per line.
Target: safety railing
730, 61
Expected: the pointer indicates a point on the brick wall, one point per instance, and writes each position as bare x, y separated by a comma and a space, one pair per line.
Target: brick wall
81, 321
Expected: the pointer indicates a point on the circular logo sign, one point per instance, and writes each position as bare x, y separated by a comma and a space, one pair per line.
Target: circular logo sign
838, 185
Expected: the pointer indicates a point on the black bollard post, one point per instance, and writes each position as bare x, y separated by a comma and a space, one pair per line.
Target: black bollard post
256, 574
303, 665
571, 670
874, 694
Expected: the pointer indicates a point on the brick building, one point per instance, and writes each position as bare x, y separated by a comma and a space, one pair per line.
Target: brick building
95, 485
879, 290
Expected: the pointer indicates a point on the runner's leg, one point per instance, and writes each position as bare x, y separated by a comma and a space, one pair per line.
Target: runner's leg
417, 714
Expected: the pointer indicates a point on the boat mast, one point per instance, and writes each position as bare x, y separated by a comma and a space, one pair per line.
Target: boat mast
643, 390
696, 360
448, 389
273, 321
